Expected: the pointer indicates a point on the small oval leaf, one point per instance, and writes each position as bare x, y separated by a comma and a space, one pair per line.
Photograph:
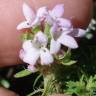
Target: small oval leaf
22, 73
5, 83
69, 63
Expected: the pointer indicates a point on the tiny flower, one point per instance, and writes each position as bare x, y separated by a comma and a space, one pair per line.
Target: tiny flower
65, 37
57, 11
32, 19
35, 50
61, 38
55, 16
29, 16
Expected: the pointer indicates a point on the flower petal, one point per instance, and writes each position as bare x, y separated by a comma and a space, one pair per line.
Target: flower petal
32, 68
46, 57
21, 54
80, 33
27, 45
54, 47
42, 38
68, 41
28, 13
42, 12
54, 31
64, 22
49, 20
73, 32
31, 56
57, 11
35, 22
77, 32
23, 25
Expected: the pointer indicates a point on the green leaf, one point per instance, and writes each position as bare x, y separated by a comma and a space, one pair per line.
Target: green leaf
71, 62
47, 30
36, 29
5, 83
22, 73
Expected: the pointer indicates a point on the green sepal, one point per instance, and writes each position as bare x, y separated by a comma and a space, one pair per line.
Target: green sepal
66, 59
47, 30
67, 55
36, 29
22, 73
26, 36
71, 62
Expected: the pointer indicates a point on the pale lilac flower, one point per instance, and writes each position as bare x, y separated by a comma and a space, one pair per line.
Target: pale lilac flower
57, 11
32, 19
64, 36
35, 49
55, 16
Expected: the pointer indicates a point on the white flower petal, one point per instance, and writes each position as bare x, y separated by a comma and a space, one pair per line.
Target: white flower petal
42, 12
23, 25
32, 68
42, 38
27, 45
68, 41
80, 33
21, 54
35, 22
28, 13
64, 22
54, 47
31, 56
49, 20
46, 57
57, 11
73, 32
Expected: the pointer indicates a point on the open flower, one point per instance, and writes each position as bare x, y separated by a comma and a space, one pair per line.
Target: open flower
55, 16
64, 36
33, 50
32, 19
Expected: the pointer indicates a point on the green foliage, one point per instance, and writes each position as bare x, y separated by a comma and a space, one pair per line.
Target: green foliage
22, 73
84, 87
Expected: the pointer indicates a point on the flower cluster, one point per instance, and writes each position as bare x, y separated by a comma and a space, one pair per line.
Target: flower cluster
54, 31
